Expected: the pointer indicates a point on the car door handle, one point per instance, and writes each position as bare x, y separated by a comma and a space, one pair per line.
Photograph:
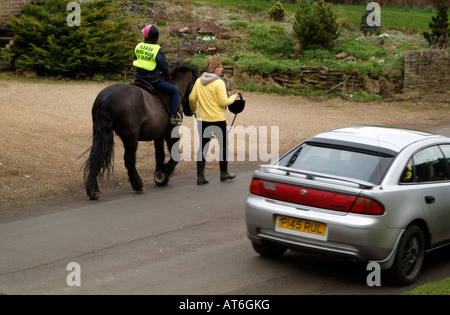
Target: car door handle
429, 199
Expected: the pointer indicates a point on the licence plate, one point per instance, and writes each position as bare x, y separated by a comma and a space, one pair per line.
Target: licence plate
300, 225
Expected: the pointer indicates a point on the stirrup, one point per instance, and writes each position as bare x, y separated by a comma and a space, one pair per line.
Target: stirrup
175, 119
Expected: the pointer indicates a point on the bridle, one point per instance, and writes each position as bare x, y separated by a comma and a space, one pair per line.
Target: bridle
185, 95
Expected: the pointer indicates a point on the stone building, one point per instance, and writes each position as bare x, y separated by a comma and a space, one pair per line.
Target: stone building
10, 7
426, 75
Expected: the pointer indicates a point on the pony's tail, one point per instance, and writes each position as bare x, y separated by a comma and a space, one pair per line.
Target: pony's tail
101, 157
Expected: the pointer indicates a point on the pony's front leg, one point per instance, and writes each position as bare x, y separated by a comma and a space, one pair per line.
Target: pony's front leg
130, 144
161, 176
173, 144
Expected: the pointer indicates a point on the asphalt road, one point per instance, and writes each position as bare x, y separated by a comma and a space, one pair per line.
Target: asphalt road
178, 239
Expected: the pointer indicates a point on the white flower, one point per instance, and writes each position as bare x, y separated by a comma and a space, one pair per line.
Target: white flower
207, 38
384, 35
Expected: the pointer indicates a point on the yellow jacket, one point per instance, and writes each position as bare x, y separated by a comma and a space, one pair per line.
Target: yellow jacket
210, 93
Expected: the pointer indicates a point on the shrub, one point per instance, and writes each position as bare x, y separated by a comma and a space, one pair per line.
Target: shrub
276, 12
317, 54
238, 24
257, 63
359, 47
270, 40
439, 25
428, 8
365, 28
44, 41
315, 25
5, 54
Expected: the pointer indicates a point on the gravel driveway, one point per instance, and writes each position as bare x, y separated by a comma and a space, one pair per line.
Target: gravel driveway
46, 127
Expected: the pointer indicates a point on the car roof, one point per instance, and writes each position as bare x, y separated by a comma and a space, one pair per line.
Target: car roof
389, 138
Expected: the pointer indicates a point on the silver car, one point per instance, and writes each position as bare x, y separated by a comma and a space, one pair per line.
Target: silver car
362, 193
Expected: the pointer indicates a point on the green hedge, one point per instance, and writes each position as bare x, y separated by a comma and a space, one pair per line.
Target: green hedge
45, 43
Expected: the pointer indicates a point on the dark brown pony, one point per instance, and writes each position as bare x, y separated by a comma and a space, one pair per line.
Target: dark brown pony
134, 115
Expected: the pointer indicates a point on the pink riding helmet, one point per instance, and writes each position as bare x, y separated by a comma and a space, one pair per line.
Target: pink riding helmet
151, 31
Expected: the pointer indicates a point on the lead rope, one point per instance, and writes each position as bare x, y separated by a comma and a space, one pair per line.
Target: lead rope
232, 123
231, 126
235, 115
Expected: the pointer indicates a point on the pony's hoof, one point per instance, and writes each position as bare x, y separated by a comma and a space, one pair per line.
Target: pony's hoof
161, 178
94, 195
139, 190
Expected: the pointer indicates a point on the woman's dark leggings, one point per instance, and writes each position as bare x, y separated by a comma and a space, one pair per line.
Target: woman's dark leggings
205, 129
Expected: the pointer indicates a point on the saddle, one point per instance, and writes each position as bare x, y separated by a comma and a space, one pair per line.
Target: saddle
151, 89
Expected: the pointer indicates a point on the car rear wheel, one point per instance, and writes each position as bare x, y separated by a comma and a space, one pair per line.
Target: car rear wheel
269, 249
410, 256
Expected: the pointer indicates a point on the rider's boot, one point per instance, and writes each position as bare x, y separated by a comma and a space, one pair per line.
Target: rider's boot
175, 119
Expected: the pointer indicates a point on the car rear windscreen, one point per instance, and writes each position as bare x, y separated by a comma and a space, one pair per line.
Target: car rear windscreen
340, 161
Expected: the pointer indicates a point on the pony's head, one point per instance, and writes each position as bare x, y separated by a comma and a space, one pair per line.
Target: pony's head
183, 68
180, 72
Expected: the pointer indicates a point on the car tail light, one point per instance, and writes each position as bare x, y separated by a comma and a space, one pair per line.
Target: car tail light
315, 198
367, 206
255, 187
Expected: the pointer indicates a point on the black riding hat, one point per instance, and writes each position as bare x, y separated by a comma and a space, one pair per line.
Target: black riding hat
238, 105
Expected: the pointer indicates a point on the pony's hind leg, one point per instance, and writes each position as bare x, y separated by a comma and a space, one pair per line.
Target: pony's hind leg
92, 188
130, 144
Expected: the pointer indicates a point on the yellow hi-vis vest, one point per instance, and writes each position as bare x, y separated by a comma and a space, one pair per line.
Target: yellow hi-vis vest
146, 55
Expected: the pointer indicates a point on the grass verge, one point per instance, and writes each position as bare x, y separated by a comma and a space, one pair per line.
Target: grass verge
435, 288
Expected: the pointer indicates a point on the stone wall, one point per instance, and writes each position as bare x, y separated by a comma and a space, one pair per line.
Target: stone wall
427, 75
322, 78
10, 7
325, 78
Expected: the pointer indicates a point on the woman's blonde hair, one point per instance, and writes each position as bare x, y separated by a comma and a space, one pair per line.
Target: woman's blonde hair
212, 63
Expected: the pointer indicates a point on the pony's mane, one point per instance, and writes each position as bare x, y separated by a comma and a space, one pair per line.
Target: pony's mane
185, 68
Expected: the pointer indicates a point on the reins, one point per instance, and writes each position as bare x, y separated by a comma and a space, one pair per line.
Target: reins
185, 101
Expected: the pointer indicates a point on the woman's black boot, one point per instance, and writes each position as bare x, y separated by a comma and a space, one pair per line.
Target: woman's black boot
201, 180
224, 175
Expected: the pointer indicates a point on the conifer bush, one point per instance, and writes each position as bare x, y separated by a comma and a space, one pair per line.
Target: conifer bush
440, 33
315, 25
44, 41
277, 12
365, 28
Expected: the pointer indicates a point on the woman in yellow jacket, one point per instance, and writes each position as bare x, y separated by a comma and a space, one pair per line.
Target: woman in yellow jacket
210, 93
